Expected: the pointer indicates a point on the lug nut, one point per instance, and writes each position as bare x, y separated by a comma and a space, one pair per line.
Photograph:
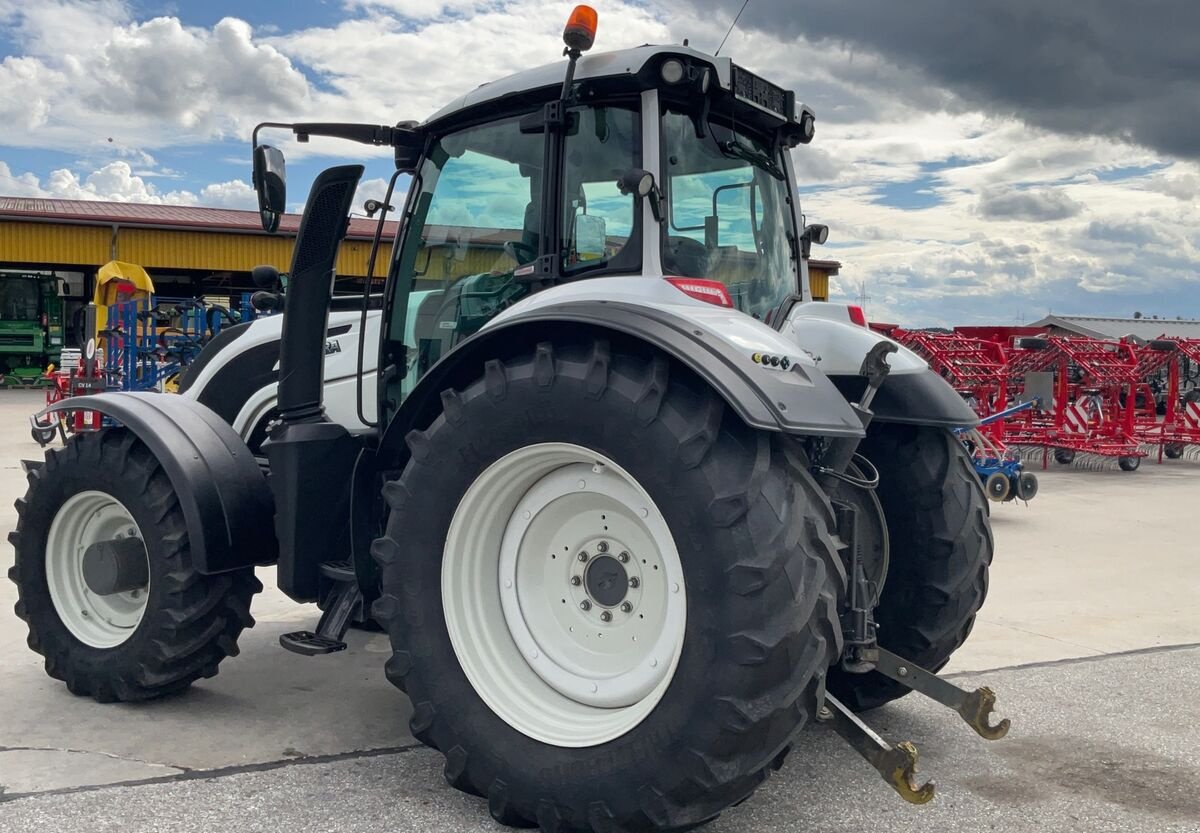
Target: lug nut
626, 607
583, 556
602, 546
585, 605
623, 558
606, 616
634, 582
576, 581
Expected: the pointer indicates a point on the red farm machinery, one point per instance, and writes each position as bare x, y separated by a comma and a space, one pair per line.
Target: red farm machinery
1110, 399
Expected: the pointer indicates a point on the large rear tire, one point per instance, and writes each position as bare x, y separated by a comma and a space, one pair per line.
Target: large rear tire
146, 641
941, 547
540, 462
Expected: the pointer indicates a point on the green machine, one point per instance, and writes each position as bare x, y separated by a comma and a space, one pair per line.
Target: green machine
31, 325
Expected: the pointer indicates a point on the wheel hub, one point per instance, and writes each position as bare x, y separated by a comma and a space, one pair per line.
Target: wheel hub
607, 582
97, 569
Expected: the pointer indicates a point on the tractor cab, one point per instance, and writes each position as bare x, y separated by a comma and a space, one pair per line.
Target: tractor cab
658, 162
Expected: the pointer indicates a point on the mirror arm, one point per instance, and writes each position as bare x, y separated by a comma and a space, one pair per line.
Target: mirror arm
261, 125
367, 134
402, 135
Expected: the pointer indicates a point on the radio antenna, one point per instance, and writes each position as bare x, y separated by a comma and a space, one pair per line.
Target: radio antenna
731, 27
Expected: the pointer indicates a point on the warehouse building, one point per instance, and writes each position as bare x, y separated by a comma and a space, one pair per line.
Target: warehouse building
1115, 328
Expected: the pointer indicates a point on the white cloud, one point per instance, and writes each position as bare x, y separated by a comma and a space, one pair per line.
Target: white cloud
383, 68
89, 70
19, 185
88, 77
233, 194
117, 182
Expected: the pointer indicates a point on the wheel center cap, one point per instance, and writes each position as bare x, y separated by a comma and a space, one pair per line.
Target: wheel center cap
606, 581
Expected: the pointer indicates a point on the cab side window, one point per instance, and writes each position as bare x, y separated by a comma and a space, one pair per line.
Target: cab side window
602, 143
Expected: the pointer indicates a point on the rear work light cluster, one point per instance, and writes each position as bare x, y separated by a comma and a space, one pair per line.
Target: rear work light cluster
767, 360
713, 292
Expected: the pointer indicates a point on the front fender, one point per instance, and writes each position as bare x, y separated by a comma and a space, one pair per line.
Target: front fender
912, 392
223, 494
923, 398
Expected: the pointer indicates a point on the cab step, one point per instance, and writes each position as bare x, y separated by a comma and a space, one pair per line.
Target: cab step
343, 606
310, 644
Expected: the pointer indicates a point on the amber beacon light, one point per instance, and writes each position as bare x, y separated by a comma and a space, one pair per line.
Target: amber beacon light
580, 32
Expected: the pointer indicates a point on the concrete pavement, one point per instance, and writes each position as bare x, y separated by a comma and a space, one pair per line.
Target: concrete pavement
1097, 746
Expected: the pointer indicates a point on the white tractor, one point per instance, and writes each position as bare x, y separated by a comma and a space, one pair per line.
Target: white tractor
631, 507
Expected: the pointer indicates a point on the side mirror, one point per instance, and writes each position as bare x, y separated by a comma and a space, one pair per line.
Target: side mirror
265, 277
817, 233
266, 302
270, 182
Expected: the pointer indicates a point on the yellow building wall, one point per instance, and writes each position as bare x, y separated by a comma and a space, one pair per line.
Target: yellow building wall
75, 245
454, 262
47, 243
91, 246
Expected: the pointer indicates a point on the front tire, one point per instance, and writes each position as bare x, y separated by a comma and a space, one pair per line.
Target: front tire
727, 532
148, 641
941, 547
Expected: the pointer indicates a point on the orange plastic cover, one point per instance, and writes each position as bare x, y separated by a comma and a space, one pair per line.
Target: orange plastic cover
580, 32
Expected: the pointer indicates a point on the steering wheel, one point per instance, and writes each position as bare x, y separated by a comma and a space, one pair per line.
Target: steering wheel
512, 248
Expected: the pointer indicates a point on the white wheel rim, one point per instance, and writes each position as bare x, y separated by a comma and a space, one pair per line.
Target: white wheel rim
85, 519
551, 669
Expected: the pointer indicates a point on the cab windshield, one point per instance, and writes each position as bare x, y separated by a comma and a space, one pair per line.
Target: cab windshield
18, 300
729, 214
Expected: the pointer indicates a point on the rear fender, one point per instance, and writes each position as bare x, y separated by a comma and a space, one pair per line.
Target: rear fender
912, 392
718, 344
223, 494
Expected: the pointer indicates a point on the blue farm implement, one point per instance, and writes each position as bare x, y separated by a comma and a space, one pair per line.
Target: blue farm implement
1000, 468
141, 346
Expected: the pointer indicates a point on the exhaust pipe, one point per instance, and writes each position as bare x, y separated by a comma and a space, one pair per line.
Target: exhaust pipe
306, 451
306, 304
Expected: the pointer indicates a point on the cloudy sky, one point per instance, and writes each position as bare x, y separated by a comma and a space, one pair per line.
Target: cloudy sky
987, 161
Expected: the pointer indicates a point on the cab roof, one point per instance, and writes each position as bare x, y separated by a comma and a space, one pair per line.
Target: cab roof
591, 65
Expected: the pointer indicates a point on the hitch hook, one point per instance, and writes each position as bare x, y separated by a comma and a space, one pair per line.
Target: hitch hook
975, 707
897, 765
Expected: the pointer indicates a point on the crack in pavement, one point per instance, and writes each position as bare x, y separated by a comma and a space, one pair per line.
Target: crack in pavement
1054, 663
110, 755
217, 772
